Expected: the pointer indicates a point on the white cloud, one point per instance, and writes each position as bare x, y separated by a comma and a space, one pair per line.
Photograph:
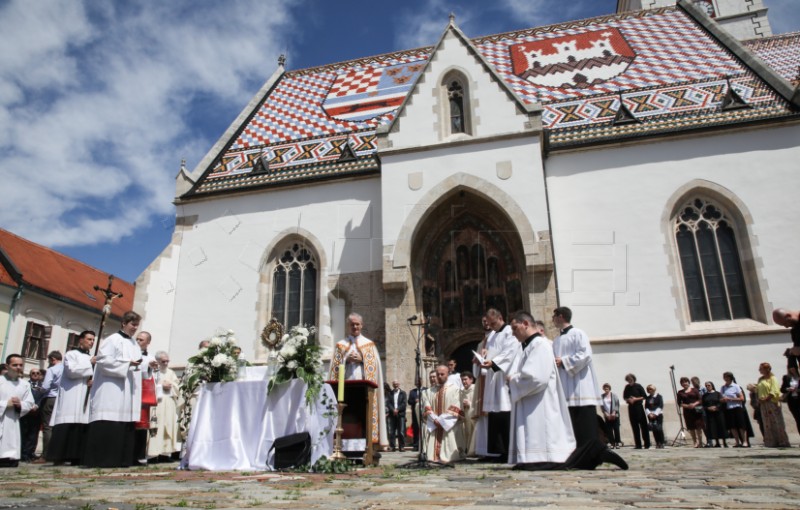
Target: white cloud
94, 102
423, 26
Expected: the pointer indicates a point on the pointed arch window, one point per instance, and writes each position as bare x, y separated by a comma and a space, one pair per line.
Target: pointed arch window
294, 287
455, 95
709, 257
456, 104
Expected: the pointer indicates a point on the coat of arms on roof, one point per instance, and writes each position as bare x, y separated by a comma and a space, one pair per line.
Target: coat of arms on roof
368, 92
573, 61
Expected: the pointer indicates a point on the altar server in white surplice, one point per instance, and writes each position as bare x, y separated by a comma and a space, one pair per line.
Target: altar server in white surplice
166, 442
501, 353
16, 400
574, 361
71, 416
541, 430
116, 398
541, 434
442, 416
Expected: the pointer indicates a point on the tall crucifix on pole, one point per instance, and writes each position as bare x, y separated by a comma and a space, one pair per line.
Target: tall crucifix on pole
110, 296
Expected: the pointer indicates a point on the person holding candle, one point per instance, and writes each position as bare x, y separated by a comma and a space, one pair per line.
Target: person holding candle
361, 361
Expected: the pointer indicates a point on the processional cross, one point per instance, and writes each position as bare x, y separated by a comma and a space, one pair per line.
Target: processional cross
110, 297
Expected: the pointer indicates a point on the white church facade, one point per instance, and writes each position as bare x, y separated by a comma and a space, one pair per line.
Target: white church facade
640, 168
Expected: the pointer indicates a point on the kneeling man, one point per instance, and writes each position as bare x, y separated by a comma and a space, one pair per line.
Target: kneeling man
442, 417
541, 430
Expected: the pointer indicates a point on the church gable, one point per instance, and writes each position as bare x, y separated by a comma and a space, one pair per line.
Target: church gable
458, 97
781, 52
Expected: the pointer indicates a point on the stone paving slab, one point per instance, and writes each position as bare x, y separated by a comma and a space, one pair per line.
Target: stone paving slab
674, 478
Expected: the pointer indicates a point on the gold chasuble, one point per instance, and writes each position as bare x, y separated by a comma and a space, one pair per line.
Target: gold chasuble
370, 370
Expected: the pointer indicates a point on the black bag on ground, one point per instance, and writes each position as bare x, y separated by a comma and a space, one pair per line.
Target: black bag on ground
292, 450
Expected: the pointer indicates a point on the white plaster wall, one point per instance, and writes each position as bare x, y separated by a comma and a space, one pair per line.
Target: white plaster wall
609, 241
222, 255
155, 295
63, 318
525, 186
493, 112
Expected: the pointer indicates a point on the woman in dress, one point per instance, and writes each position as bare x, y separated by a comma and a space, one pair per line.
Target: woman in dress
715, 416
634, 395
654, 407
735, 412
790, 391
769, 393
689, 400
611, 416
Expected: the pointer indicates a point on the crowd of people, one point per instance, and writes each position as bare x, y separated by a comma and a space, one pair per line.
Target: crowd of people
528, 401
473, 412
114, 408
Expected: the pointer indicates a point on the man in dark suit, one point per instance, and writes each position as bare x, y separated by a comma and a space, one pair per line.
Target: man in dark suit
396, 403
413, 402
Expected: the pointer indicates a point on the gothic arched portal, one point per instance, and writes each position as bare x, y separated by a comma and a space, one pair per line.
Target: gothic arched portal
468, 257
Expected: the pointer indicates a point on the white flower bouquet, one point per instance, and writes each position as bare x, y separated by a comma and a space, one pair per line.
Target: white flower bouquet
299, 358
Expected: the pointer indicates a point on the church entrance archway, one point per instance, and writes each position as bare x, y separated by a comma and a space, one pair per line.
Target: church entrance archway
467, 257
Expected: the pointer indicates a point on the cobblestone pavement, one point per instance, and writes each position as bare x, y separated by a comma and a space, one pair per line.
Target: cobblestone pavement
680, 477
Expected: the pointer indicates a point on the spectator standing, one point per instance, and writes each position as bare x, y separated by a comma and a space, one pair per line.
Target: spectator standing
769, 392
736, 420
790, 391
654, 408
714, 415
634, 395
31, 424
52, 381
610, 406
701, 409
396, 403
413, 402
689, 400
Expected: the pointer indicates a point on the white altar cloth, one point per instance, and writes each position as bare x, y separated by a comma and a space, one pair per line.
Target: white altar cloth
234, 424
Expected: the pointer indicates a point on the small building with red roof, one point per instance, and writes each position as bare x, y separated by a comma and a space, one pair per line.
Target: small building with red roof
48, 298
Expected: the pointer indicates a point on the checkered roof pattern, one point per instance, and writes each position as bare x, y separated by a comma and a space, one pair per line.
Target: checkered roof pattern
781, 52
677, 80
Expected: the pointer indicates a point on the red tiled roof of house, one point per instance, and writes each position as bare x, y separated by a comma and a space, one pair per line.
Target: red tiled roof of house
59, 275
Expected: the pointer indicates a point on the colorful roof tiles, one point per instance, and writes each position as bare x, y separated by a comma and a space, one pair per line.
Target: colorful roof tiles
669, 71
52, 273
780, 52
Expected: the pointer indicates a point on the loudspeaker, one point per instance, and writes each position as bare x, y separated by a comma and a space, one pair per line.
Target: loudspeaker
292, 450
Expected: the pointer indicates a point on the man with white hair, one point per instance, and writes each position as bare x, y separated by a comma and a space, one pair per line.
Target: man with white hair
362, 362
166, 441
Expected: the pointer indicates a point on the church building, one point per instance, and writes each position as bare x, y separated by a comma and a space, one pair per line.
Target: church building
640, 168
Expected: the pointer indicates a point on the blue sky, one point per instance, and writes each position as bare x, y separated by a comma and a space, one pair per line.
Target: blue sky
100, 101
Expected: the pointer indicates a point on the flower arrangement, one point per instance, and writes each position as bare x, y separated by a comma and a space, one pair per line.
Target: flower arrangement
218, 362
299, 358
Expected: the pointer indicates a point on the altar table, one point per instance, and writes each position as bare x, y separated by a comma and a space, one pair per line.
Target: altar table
234, 424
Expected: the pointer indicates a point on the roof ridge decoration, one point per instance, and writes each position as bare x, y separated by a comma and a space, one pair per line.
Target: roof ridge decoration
732, 100
361, 61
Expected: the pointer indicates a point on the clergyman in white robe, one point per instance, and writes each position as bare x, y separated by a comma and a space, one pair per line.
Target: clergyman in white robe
541, 430
502, 351
116, 401
167, 438
541, 435
70, 415
442, 416
578, 379
10, 442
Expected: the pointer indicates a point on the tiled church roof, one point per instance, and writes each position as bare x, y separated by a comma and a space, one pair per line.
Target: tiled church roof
668, 71
781, 52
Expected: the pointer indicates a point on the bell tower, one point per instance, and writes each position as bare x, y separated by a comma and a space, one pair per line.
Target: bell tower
743, 19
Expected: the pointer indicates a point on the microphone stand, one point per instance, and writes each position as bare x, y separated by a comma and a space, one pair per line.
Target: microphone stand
422, 461
682, 432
